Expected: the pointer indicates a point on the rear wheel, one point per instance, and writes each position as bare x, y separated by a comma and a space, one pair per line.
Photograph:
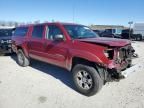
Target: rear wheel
87, 79
22, 59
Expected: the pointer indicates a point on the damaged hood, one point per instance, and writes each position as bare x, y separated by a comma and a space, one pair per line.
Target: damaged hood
113, 42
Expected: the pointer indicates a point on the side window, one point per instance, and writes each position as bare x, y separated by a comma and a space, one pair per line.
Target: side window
53, 31
38, 31
21, 31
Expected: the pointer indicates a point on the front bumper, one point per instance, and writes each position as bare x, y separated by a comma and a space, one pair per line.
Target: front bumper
119, 66
114, 72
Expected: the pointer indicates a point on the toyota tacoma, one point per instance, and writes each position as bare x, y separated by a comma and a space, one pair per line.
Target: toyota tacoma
92, 60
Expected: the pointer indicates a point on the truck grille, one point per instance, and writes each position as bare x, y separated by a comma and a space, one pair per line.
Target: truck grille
125, 52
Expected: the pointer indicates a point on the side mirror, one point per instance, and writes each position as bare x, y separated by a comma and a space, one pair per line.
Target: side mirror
59, 37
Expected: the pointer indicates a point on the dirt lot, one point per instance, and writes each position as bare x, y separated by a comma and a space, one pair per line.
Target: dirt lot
46, 86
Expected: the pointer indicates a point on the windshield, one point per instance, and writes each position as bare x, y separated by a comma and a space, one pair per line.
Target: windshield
80, 32
5, 32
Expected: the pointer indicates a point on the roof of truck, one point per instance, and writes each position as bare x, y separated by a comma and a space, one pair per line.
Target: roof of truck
62, 23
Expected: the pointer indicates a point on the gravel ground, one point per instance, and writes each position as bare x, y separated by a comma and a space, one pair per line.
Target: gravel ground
45, 86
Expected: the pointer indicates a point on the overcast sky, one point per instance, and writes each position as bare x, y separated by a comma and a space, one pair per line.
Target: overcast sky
80, 11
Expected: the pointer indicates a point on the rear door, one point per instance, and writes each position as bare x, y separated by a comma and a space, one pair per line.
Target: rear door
36, 43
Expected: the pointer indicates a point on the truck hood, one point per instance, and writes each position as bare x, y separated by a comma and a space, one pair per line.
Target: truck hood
112, 42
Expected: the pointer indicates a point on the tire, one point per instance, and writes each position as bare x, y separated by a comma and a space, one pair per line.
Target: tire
22, 59
90, 82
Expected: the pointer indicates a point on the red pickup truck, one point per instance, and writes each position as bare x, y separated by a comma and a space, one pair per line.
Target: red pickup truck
92, 60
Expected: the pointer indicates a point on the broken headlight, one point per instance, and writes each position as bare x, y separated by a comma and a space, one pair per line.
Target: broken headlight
109, 53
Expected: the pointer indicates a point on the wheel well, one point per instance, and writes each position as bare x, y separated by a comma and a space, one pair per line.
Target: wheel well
78, 60
24, 51
101, 70
20, 48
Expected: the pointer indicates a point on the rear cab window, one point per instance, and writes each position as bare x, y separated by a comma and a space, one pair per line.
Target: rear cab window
21, 31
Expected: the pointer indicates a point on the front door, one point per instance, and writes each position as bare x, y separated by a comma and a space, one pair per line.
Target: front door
55, 51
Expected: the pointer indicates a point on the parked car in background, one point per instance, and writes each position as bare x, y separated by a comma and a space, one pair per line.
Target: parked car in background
129, 34
92, 60
111, 33
5, 40
98, 32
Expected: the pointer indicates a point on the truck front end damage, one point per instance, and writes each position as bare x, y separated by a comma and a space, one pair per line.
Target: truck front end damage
119, 60
118, 54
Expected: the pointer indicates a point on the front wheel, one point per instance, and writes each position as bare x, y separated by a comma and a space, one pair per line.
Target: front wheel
87, 79
22, 59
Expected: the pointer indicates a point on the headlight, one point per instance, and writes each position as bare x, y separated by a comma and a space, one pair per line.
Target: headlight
109, 53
